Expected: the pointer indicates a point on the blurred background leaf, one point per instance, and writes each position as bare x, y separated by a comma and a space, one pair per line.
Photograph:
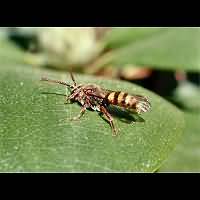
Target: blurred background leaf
166, 48
9, 52
119, 37
186, 157
113, 50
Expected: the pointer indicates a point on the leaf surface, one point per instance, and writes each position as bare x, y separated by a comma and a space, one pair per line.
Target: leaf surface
37, 135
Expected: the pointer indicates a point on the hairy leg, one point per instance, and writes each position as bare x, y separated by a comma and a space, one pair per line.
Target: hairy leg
67, 100
83, 109
72, 96
110, 119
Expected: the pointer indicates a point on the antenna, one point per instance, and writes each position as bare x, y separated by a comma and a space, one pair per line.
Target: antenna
72, 77
56, 81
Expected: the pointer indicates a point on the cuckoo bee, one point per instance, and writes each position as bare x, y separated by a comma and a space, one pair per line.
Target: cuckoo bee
96, 98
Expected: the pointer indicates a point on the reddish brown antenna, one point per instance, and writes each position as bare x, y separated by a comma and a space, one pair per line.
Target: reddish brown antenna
72, 77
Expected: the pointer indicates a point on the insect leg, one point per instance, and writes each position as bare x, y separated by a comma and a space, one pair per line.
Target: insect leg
83, 109
72, 96
67, 100
110, 119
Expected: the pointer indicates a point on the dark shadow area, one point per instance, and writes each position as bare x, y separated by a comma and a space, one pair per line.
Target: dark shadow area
194, 77
24, 41
123, 115
161, 82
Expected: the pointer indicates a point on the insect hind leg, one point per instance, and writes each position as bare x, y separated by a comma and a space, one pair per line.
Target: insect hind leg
110, 119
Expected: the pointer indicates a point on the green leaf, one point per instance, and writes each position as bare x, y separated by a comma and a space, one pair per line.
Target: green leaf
186, 157
37, 135
187, 94
170, 48
119, 37
9, 53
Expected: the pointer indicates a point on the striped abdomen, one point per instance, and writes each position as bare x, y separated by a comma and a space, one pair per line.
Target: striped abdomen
132, 102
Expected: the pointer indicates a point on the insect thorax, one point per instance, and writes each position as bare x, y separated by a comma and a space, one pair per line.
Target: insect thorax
90, 95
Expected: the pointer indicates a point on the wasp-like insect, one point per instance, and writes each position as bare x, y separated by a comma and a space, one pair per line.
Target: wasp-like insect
98, 99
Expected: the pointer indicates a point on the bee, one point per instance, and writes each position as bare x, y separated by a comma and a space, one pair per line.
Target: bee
98, 99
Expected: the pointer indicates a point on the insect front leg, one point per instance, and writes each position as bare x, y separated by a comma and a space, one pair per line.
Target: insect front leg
72, 96
110, 119
83, 109
68, 100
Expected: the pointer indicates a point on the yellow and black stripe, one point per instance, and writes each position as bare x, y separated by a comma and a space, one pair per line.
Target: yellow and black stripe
135, 102
119, 98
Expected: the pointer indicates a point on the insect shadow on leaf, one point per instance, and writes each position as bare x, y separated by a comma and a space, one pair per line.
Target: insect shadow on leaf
123, 115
